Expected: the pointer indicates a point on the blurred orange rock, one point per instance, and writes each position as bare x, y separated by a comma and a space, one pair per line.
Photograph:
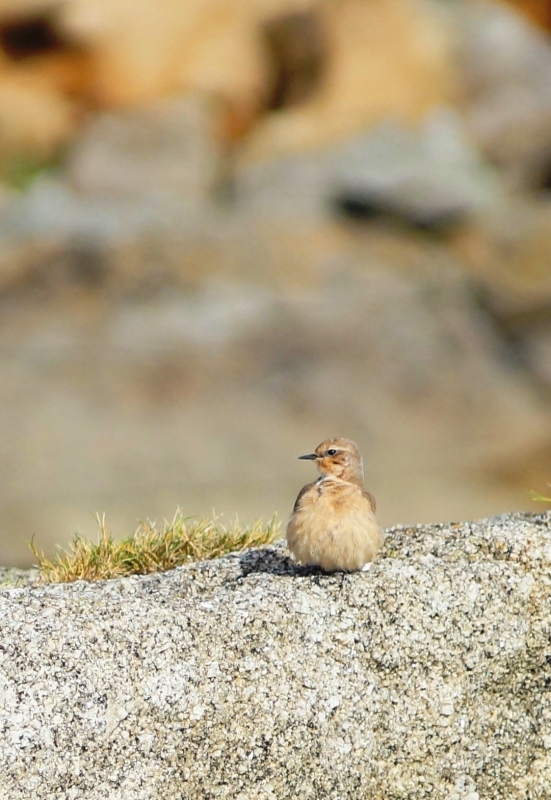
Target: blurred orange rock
385, 59
35, 118
324, 69
538, 11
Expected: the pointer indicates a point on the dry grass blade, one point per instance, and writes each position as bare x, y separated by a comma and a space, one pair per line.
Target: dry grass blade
151, 550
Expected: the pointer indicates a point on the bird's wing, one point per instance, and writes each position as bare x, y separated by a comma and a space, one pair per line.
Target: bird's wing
369, 497
301, 494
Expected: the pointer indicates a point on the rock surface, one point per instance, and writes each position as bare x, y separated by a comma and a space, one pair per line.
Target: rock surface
249, 677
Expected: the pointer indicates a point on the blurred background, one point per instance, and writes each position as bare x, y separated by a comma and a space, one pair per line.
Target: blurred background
230, 229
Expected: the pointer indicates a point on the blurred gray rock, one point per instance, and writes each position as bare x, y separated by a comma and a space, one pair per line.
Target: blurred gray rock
52, 209
251, 679
536, 342
511, 268
167, 148
506, 66
428, 175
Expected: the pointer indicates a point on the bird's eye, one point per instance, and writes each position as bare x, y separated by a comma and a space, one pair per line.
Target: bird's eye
332, 452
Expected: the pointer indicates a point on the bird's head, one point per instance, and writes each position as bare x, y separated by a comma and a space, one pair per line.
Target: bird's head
340, 458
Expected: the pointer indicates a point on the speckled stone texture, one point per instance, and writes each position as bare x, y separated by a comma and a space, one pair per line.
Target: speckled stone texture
249, 678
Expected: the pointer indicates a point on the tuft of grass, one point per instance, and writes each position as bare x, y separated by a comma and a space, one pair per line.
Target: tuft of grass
540, 498
149, 550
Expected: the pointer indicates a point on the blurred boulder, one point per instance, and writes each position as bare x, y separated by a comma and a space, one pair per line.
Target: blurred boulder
536, 343
429, 176
165, 148
44, 75
388, 58
539, 11
298, 74
23, 101
506, 66
508, 255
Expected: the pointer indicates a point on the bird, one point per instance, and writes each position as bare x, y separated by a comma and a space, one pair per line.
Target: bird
333, 524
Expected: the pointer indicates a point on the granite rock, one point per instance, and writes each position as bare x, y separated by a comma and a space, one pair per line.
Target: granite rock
250, 677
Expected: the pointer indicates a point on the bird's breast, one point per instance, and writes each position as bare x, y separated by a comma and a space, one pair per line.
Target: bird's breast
334, 526
333, 506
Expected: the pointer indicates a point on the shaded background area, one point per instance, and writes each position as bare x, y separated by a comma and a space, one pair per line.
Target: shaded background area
229, 230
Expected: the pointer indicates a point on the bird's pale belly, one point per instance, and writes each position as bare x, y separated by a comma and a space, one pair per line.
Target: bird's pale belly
334, 532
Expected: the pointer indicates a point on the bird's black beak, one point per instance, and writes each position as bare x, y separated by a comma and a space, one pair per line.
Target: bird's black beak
310, 457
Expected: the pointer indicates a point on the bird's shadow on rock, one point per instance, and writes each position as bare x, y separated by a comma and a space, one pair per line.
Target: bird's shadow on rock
276, 562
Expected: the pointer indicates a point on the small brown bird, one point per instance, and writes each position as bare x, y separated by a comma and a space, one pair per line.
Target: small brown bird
333, 522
